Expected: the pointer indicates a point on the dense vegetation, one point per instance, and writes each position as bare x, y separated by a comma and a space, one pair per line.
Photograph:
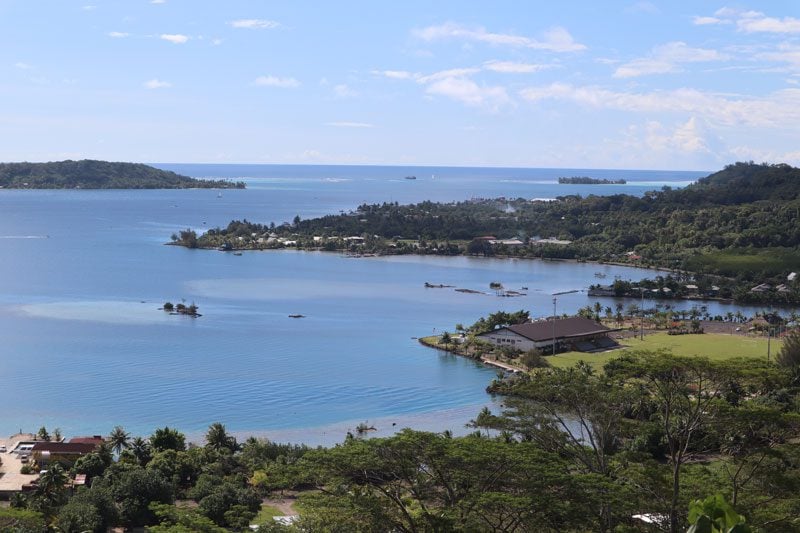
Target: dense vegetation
739, 223
91, 174
675, 440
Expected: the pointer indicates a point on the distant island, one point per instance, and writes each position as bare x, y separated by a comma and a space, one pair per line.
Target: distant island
92, 174
586, 180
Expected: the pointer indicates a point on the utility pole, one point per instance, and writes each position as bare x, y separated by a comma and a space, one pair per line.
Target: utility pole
554, 324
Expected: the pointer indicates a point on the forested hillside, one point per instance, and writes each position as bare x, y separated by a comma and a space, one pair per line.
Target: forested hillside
741, 221
91, 174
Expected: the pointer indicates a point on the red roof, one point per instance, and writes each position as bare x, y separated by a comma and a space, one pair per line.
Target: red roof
69, 448
96, 440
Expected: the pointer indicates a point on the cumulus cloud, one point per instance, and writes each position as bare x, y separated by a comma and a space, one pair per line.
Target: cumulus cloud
449, 73
470, 93
155, 83
254, 24
556, 39
347, 124
394, 74
511, 67
275, 81
118, 34
705, 21
779, 109
751, 21
667, 58
174, 38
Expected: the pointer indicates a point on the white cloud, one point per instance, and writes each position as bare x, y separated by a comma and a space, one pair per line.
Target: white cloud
470, 93
449, 73
346, 124
667, 58
511, 67
784, 53
89, 8
556, 39
779, 109
342, 90
23, 66
755, 21
216, 42
394, 74
158, 1
174, 38
254, 24
751, 21
705, 21
117, 34
275, 81
155, 83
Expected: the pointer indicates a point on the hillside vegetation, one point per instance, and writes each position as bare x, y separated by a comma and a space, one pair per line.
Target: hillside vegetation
741, 221
91, 174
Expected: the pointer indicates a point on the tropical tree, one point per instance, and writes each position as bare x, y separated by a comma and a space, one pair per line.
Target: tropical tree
167, 438
140, 449
789, 356
217, 438
119, 439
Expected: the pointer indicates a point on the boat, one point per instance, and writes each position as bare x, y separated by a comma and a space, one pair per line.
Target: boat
237, 253
297, 316
599, 275
219, 195
411, 177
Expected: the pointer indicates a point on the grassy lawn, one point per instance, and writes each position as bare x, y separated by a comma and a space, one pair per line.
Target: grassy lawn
266, 514
712, 345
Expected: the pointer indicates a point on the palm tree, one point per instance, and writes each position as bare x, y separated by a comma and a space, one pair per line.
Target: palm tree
119, 439
140, 449
217, 438
50, 489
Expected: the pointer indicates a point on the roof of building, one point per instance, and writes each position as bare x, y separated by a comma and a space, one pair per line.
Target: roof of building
78, 448
95, 439
561, 328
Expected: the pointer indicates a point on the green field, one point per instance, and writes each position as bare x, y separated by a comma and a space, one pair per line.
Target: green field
266, 514
712, 345
771, 261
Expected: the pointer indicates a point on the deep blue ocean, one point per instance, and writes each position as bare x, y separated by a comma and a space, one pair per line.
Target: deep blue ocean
83, 273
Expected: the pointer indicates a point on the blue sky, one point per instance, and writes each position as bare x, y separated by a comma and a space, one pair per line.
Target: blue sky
628, 84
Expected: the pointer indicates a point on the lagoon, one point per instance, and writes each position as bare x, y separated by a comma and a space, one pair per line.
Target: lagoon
85, 347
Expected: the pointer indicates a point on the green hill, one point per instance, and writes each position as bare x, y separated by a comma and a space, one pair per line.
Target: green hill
92, 174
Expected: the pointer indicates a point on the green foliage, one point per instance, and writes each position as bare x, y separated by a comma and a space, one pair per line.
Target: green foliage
167, 438
22, 521
499, 319
90, 174
789, 356
181, 520
715, 515
42, 434
217, 438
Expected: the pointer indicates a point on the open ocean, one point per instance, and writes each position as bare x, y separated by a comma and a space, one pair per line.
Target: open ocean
83, 273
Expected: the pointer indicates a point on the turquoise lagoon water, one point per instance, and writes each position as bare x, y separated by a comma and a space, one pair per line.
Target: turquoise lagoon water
84, 346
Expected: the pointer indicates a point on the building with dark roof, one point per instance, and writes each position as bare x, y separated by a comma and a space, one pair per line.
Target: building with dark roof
574, 333
65, 453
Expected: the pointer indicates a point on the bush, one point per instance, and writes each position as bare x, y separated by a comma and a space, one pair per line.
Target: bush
26, 470
534, 359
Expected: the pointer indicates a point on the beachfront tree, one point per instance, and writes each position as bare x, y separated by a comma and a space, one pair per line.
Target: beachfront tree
119, 439
140, 450
42, 434
217, 438
167, 438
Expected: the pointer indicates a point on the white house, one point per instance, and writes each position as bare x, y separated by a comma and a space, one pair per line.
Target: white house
574, 333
